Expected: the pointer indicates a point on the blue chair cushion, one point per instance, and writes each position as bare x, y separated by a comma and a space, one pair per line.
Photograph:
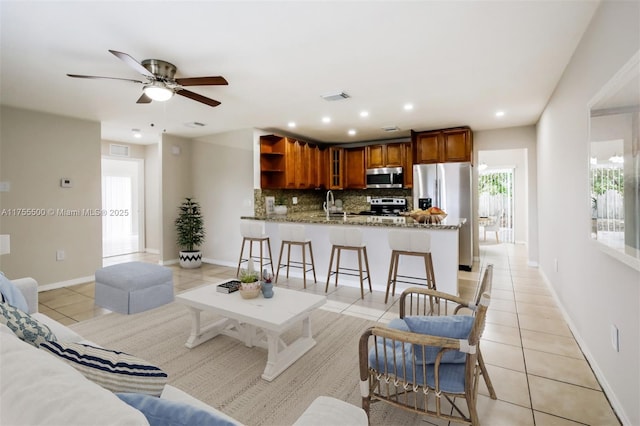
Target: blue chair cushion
396, 358
163, 412
452, 326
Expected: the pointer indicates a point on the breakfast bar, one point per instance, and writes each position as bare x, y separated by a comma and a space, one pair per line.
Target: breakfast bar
444, 246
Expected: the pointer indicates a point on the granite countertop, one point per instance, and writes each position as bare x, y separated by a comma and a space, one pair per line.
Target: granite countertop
320, 218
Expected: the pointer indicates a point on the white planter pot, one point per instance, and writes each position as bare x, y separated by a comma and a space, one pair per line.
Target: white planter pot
280, 209
190, 259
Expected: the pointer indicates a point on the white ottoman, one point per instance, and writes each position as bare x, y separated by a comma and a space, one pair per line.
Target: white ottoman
133, 287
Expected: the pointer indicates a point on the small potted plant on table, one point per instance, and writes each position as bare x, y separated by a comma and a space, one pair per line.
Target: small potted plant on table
249, 282
190, 233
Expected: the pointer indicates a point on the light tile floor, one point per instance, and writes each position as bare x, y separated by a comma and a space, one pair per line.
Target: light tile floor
540, 374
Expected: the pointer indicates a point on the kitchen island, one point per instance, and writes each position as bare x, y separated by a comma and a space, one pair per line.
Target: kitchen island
444, 247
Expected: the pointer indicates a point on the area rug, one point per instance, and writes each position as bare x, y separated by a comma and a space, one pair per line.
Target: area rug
225, 374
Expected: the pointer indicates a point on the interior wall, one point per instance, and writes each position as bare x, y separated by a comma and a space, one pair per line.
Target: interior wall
595, 290
37, 150
152, 211
523, 137
176, 184
223, 170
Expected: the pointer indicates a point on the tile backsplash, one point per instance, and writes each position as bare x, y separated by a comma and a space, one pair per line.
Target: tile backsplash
353, 200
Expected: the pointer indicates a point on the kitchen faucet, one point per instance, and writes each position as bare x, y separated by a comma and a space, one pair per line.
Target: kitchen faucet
327, 205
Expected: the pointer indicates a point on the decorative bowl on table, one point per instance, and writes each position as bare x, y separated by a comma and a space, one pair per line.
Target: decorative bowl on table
250, 290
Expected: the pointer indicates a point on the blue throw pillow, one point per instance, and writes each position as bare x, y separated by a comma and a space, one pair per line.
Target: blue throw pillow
12, 295
452, 326
163, 412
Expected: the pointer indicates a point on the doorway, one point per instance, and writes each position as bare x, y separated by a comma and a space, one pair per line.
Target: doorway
122, 203
495, 203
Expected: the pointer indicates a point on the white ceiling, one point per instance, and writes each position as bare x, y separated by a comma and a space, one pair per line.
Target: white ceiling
457, 62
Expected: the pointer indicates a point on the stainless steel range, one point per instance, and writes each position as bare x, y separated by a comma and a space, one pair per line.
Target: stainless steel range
387, 206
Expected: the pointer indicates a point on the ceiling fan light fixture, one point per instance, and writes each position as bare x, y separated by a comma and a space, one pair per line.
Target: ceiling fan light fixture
157, 91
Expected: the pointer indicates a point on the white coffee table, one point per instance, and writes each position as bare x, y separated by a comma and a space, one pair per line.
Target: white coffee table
256, 322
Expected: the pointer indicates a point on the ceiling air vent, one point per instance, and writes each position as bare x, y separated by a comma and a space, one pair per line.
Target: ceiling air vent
335, 96
194, 124
391, 128
118, 150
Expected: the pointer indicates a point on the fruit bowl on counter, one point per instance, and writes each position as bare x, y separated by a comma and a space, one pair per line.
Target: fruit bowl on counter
432, 215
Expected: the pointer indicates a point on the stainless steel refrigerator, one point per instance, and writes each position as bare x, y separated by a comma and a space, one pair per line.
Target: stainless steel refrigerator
448, 186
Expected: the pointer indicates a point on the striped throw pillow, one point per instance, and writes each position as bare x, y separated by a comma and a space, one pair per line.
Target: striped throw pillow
113, 370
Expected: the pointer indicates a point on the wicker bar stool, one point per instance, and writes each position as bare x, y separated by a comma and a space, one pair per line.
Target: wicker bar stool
409, 243
294, 235
252, 231
346, 238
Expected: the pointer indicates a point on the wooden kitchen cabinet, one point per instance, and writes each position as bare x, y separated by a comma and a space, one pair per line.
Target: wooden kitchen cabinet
442, 146
292, 171
272, 162
385, 155
355, 168
335, 166
407, 166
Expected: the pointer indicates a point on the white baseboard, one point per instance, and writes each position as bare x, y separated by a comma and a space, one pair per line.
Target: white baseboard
602, 379
220, 262
152, 251
67, 283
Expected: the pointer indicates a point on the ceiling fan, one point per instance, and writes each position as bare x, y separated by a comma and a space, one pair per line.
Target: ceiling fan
160, 84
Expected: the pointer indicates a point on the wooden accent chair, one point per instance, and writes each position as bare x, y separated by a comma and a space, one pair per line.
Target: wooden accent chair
420, 301
427, 364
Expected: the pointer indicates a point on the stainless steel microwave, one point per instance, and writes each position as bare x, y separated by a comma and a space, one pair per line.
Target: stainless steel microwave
385, 177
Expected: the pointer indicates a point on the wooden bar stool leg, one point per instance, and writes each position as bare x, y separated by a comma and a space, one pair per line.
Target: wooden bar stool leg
270, 256
304, 266
240, 258
333, 249
313, 266
288, 257
386, 296
366, 262
360, 271
395, 271
338, 265
279, 260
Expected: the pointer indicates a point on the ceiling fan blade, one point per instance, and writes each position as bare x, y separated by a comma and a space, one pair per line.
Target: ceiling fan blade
132, 63
202, 81
103, 78
144, 99
199, 98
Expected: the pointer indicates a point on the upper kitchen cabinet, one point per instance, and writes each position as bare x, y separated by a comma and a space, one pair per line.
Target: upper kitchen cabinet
442, 146
355, 168
292, 157
272, 162
407, 166
385, 155
335, 166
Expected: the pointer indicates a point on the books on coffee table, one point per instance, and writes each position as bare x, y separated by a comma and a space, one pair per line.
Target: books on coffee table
229, 286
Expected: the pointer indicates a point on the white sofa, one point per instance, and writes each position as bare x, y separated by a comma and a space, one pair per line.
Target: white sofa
38, 389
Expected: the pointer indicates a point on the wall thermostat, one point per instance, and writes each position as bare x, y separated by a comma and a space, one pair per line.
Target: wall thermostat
65, 183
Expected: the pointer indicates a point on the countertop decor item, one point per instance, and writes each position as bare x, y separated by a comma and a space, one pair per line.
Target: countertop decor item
267, 284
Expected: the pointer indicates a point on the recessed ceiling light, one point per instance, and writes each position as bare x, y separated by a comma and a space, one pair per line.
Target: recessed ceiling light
326, 119
136, 133
408, 107
352, 132
364, 114
499, 113
292, 124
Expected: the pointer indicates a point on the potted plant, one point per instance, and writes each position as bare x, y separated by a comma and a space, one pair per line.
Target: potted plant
190, 233
249, 283
280, 204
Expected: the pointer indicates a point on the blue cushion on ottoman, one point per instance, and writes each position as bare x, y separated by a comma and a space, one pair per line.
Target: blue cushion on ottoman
133, 287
